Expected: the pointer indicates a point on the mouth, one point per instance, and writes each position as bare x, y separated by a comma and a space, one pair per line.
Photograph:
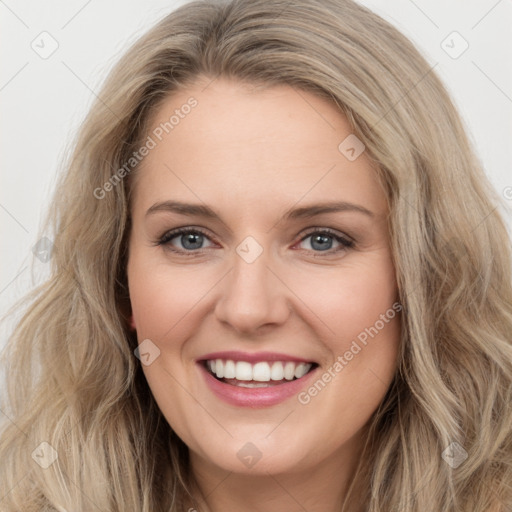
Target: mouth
261, 374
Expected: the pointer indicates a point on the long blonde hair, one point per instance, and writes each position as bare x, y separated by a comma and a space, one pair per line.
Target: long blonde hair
72, 379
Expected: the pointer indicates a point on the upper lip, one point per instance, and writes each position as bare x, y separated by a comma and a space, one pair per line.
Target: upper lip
254, 357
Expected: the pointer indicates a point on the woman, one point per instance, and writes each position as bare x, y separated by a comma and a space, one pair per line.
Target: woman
280, 282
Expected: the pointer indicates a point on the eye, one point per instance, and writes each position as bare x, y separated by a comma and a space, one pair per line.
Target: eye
322, 241
190, 239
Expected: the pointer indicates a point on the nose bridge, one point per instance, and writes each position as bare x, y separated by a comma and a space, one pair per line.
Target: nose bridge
252, 295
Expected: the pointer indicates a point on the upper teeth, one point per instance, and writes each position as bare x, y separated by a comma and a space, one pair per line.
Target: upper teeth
262, 372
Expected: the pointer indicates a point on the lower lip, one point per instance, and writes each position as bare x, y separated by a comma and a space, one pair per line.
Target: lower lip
254, 397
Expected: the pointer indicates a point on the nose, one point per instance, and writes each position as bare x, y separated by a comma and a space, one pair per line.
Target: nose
253, 297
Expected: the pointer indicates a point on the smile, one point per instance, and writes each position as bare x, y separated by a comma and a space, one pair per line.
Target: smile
255, 380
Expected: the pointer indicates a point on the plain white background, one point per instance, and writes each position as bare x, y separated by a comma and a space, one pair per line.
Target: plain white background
44, 100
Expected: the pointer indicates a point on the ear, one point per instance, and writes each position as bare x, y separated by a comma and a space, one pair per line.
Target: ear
131, 322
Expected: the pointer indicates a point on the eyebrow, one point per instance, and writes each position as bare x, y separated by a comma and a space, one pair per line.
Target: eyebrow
305, 212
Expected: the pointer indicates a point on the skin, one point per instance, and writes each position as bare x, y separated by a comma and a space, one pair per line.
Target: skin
252, 154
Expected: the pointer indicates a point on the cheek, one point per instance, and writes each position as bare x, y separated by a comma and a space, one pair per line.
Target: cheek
358, 316
351, 300
343, 302
363, 338
162, 297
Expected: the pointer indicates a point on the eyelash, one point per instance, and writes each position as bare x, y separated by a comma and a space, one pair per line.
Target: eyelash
167, 237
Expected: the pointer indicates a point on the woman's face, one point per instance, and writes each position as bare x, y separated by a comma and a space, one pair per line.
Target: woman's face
283, 266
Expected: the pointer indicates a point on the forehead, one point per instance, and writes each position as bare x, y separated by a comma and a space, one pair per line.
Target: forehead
273, 146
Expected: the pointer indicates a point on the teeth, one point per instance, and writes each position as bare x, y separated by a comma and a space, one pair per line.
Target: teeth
229, 370
301, 370
289, 370
219, 368
259, 372
243, 371
277, 371
252, 385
